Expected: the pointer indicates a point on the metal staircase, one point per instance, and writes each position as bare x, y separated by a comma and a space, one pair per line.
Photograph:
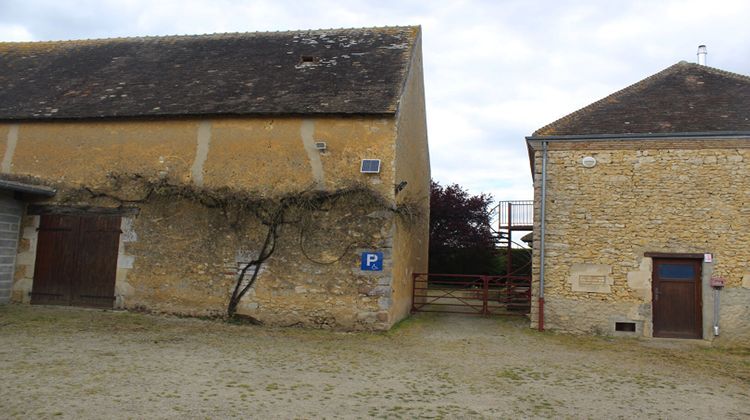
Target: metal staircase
509, 217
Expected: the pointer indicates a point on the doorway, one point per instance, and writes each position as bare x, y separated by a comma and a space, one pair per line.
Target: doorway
76, 260
677, 303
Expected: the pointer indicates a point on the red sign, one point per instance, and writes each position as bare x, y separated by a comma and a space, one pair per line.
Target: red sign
717, 282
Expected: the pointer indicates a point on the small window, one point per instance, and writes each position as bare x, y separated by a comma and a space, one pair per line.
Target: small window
625, 326
677, 271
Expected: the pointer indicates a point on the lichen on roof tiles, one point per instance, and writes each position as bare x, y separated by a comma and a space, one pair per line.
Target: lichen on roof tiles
683, 98
356, 71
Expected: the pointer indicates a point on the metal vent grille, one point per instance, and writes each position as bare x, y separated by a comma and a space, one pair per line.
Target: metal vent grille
370, 166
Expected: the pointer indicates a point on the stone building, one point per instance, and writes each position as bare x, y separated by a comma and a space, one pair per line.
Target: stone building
150, 173
647, 202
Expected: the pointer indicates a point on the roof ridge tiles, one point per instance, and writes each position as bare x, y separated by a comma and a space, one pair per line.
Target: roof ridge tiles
723, 72
205, 35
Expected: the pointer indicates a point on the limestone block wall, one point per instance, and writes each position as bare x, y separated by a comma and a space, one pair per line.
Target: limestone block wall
23, 278
671, 196
178, 255
186, 259
125, 262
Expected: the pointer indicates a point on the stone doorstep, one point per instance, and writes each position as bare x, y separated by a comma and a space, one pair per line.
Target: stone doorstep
674, 343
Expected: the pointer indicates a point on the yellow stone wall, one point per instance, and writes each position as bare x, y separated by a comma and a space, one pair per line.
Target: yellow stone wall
672, 196
182, 257
412, 165
254, 154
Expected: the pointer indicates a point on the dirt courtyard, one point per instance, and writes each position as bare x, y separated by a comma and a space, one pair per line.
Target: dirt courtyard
76, 363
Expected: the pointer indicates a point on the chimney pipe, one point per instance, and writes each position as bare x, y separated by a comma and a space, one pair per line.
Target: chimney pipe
702, 52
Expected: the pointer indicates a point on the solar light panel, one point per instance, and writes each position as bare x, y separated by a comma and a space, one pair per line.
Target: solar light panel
370, 166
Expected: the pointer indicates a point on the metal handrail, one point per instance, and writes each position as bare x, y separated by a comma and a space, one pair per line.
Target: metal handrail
512, 213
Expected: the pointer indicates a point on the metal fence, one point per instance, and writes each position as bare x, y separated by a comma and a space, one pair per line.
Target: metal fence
518, 213
471, 294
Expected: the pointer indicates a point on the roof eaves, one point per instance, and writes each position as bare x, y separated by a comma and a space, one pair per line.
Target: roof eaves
642, 136
172, 116
27, 188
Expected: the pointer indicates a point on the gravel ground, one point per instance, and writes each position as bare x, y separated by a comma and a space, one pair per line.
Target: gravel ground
77, 363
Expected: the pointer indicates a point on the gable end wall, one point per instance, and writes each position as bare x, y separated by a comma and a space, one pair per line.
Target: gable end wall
671, 196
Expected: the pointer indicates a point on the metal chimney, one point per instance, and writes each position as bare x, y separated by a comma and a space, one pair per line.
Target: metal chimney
702, 52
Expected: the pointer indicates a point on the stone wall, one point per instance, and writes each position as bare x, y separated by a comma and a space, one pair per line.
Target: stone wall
671, 196
179, 255
312, 279
412, 165
23, 279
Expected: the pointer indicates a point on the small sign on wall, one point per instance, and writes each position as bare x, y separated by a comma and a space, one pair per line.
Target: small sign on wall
708, 258
372, 261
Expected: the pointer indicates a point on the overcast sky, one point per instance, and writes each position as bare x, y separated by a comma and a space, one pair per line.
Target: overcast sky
495, 71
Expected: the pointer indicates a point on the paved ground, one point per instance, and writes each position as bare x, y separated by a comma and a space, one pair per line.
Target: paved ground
73, 363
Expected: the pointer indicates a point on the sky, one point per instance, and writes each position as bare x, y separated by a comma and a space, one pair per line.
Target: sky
495, 71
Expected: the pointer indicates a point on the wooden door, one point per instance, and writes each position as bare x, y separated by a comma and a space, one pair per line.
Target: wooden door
677, 302
99, 241
55, 264
76, 260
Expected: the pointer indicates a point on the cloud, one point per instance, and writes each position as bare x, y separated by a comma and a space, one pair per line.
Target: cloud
14, 32
495, 71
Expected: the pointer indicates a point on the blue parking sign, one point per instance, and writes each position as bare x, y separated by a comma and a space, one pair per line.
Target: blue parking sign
372, 261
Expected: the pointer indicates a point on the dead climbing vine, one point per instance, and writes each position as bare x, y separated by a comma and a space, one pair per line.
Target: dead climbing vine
299, 208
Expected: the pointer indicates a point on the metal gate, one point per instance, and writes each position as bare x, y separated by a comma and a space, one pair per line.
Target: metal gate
76, 260
471, 294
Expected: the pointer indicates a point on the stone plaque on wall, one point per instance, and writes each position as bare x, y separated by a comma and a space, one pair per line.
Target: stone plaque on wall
591, 278
592, 281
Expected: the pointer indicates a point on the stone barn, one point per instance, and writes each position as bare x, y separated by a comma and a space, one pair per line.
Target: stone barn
281, 176
646, 206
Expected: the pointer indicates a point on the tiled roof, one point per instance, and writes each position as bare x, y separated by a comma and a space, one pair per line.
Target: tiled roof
339, 71
683, 98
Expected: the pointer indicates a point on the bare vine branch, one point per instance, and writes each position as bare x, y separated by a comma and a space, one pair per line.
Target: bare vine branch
271, 212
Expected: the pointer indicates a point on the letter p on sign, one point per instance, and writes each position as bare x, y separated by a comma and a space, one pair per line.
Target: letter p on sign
372, 261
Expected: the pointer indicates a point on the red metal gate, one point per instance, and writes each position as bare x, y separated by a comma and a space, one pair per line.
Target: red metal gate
471, 294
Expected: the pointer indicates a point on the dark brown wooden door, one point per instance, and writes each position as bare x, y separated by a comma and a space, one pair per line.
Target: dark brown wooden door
55, 264
76, 261
677, 303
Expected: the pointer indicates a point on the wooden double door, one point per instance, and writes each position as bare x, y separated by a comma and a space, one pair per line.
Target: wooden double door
677, 303
76, 260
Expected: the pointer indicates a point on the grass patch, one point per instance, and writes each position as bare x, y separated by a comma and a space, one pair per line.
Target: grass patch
411, 322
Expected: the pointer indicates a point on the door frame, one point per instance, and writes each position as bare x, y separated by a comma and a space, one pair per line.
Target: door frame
695, 259
78, 262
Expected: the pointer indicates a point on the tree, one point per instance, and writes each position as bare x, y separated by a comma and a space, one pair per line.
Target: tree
461, 239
